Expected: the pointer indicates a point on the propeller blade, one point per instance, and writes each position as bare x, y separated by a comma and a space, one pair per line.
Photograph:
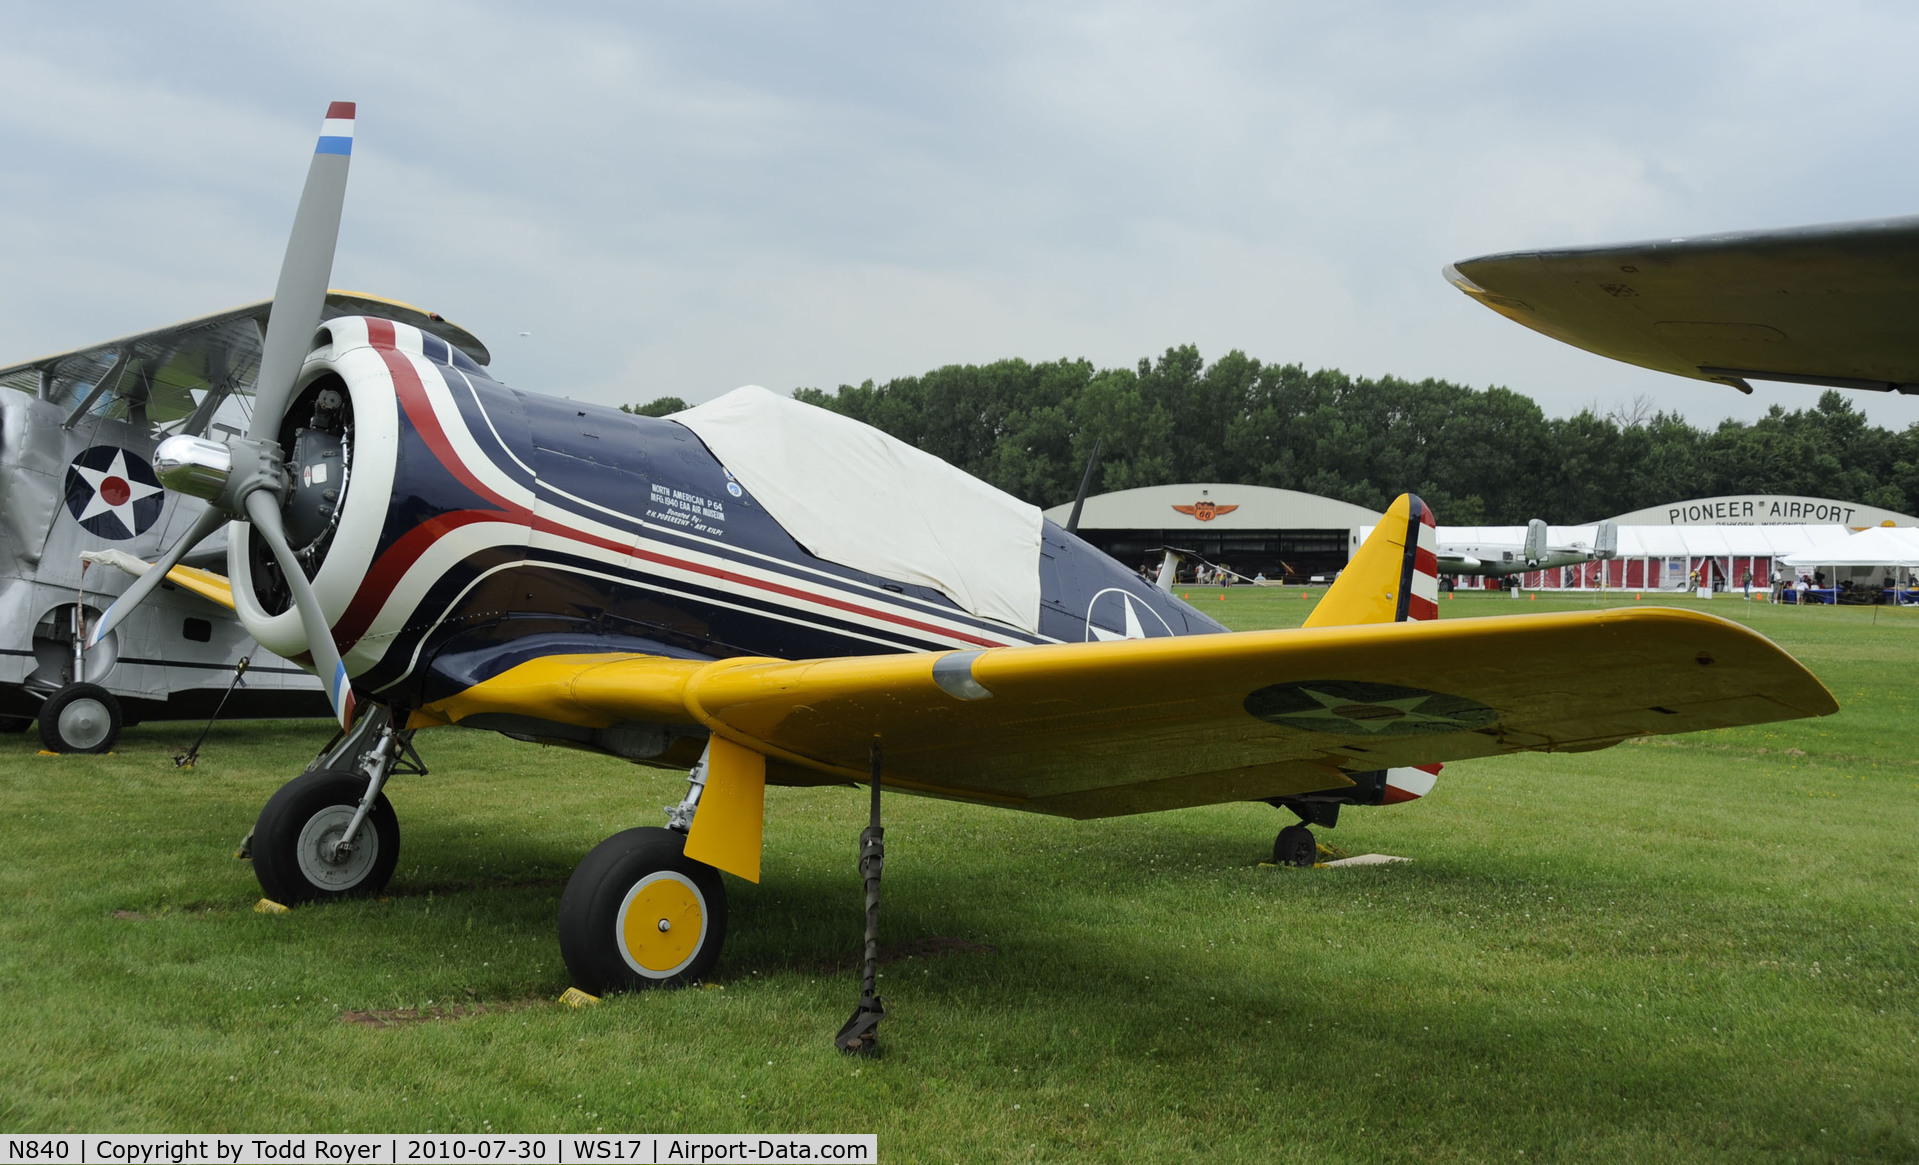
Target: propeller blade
263, 509
210, 519
301, 294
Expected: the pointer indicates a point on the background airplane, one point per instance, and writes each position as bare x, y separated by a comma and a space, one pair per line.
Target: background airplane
1498, 559
1820, 305
78, 499
761, 593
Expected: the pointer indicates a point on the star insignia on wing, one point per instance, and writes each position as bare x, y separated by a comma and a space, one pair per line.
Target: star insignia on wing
1342, 714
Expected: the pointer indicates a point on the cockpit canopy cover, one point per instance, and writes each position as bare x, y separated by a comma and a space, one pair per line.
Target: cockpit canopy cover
853, 495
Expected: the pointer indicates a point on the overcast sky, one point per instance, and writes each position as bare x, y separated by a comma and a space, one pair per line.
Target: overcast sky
682, 198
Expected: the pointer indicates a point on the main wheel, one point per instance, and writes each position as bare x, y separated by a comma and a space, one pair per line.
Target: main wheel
11, 724
80, 718
293, 842
639, 913
1295, 847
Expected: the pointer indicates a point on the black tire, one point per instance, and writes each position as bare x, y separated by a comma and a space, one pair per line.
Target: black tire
609, 907
1295, 847
12, 724
294, 836
80, 718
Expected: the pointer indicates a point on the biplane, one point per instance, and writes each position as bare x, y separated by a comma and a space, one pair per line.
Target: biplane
760, 592
78, 499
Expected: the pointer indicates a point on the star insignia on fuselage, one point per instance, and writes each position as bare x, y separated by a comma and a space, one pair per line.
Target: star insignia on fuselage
112, 493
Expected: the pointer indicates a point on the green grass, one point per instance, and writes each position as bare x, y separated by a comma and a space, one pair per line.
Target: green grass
1698, 948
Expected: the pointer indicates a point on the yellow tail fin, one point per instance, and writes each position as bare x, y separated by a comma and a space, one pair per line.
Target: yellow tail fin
1395, 575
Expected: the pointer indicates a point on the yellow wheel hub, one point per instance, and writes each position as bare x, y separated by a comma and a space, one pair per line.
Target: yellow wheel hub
662, 924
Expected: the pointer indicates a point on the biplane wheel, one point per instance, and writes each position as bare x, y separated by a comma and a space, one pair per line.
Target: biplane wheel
1295, 846
11, 724
638, 913
293, 840
80, 718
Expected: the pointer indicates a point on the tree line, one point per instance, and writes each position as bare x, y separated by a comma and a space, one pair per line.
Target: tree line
1479, 456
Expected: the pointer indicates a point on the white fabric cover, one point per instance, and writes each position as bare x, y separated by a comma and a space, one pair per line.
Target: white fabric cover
1877, 546
853, 495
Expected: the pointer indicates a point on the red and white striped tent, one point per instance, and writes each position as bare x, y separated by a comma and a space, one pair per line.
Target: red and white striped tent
1656, 558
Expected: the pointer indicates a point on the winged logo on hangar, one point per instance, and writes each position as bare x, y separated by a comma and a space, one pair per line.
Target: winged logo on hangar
1206, 511
113, 492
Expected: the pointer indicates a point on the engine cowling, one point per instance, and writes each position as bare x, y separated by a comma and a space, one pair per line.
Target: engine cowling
342, 437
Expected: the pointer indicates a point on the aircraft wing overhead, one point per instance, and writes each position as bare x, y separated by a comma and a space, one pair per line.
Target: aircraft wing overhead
1828, 305
1098, 729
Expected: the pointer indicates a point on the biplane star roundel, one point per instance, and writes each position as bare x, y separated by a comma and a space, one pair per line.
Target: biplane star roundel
113, 492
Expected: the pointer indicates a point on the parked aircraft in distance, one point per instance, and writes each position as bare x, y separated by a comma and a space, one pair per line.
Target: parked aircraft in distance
78, 497
760, 592
1497, 559
1822, 305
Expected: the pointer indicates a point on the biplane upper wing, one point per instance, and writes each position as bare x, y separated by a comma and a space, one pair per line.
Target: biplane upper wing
1096, 729
160, 370
1828, 305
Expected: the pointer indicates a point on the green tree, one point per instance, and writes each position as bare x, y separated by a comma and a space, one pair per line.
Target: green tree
659, 406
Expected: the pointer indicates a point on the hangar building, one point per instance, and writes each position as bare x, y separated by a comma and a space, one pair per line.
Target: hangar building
1254, 529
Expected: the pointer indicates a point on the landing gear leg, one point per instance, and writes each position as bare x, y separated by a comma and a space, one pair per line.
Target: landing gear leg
1295, 845
861, 1034
331, 832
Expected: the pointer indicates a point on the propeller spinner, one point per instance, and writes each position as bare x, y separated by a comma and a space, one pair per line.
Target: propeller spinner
245, 478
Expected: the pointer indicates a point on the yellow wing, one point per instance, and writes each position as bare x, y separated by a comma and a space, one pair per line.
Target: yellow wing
1096, 729
215, 588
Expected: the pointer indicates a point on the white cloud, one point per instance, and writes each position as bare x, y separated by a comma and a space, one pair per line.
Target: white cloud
679, 199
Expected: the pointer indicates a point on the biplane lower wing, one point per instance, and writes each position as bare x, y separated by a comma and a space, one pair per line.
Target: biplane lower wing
1099, 729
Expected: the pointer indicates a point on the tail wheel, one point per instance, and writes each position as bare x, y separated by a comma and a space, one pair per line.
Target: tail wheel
638, 913
295, 842
80, 718
1295, 847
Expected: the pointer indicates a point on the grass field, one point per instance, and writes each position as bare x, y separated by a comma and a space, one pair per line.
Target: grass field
1697, 948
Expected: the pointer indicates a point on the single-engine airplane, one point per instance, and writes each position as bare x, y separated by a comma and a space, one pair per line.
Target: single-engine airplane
762, 592
78, 498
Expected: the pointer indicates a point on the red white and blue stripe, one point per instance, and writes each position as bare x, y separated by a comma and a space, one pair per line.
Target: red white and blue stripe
336, 131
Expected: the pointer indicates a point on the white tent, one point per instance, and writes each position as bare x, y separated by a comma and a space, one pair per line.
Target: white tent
1876, 546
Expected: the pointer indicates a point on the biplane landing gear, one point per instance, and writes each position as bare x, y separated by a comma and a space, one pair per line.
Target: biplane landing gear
80, 718
639, 913
331, 832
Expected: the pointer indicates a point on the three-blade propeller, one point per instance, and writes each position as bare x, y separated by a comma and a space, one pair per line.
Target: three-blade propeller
245, 479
